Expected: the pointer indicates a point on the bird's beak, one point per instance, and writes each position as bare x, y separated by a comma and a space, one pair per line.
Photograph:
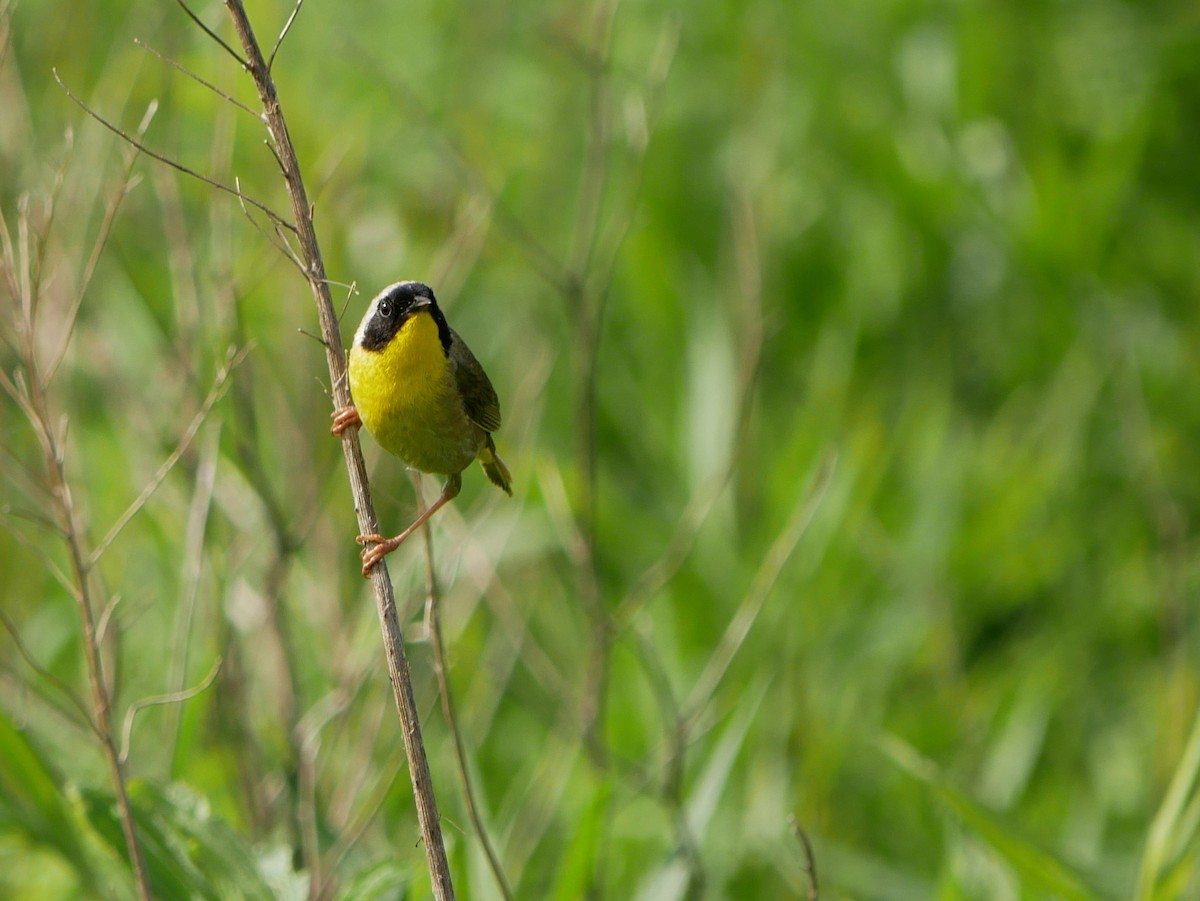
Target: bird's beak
420, 303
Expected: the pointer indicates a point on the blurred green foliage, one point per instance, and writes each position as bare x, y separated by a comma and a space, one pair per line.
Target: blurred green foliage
848, 357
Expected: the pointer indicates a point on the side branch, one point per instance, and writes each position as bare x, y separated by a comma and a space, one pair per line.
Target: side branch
212, 182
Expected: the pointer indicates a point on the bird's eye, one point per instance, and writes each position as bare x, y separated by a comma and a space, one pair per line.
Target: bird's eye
385, 309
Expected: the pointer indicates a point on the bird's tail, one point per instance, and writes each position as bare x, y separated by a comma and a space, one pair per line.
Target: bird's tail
496, 471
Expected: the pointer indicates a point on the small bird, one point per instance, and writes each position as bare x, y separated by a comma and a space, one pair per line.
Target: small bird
423, 396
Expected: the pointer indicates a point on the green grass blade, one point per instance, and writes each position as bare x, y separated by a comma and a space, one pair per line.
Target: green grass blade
1165, 832
31, 800
386, 881
189, 852
1037, 868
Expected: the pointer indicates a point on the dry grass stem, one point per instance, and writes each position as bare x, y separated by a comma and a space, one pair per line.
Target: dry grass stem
427, 813
174, 697
433, 621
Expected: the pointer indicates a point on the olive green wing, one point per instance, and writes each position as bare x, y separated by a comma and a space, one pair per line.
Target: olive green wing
479, 397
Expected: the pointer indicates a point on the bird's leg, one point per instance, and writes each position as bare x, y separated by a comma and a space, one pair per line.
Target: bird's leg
384, 546
343, 418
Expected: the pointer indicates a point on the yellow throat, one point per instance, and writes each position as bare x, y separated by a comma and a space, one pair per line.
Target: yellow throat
408, 400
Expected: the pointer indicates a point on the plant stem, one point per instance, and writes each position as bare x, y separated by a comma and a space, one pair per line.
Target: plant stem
101, 701
418, 765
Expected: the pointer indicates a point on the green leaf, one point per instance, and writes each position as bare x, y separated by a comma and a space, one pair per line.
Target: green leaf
669, 881
1036, 867
1175, 823
575, 874
188, 851
31, 800
386, 881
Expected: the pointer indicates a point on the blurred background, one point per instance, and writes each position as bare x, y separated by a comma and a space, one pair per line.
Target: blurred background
848, 359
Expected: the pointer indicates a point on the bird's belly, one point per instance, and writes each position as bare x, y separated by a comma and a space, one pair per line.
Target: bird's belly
416, 415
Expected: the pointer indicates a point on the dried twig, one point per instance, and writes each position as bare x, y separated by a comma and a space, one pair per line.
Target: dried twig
427, 813
212, 34
810, 860
287, 26
434, 622
174, 164
28, 388
196, 78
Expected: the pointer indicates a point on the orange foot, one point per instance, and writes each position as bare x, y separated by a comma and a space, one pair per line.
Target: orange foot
344, 418
381, 547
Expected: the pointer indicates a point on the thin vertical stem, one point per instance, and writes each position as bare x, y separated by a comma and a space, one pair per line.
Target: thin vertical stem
393, 638
433, 621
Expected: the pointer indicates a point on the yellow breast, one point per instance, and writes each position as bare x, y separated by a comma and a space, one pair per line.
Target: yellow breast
407, 398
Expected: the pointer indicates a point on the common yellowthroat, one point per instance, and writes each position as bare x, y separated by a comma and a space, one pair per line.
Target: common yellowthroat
423, 396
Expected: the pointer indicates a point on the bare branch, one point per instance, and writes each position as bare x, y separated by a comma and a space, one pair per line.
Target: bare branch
212, 34
306, 333
351, 290
51, 206
29, 390
192, 75
287, 26
434, 620
14, 389
393, 638
172, 698
279, 163
212, 182
281, 244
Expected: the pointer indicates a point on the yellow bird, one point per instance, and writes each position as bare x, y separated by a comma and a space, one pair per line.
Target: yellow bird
423, 396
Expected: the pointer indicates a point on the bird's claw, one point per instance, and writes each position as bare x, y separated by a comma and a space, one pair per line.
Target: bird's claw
343, 418
380, 548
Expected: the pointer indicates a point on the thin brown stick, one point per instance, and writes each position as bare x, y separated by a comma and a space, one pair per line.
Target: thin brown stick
29, 390
212, 34
51, 567
433, 620
287, 26
196, 78
174, 164
810, 859
393, 638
